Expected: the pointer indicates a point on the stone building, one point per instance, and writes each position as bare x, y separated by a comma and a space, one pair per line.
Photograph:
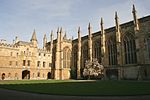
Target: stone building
23, 60
123, 50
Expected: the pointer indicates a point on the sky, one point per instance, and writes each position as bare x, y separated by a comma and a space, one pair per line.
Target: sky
21, 17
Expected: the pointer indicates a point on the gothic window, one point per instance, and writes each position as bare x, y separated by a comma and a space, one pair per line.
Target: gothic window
112, 51
129, 49
148, 46
75, 54
85, 52
66, 57
53, 56
97, 51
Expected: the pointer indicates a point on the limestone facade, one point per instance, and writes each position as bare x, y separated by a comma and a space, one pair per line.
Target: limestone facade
123, 50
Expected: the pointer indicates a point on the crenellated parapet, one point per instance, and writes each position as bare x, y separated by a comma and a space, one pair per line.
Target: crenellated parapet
7, 45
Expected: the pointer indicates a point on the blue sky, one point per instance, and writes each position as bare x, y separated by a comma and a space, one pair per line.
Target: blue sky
21, 17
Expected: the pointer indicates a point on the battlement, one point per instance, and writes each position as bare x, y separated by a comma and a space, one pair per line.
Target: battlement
7, 45
43, 51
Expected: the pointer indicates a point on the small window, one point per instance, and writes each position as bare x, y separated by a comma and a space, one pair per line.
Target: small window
49, 64
38, 63
17, 54
38, 74
39, 54
16, 63
9, 75
43, 75
28, 62
44, 54
24, 62
10, 63
33, 75
11, 53
44, 64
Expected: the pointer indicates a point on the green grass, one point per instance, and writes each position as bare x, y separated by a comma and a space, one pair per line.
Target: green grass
82, 88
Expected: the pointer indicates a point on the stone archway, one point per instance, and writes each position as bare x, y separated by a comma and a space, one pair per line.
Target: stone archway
3, 76
25, 74
48, 75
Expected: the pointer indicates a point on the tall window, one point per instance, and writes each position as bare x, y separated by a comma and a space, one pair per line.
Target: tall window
96, 50
75, 53
129, 49
148, 45
66, 57
85, 52
112, 51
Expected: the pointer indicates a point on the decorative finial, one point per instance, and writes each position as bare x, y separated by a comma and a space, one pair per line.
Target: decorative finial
116, 15
133, 10
79, 29
89, 27
102, 21
52, 33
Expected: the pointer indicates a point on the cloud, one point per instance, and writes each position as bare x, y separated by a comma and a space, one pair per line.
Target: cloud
20, 17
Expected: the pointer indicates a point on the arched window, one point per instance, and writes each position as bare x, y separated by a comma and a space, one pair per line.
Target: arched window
38, 74
9, 75
53, 56
85, 52
129, 49
75, 54
66, 57
16, 76
97, 52
112, 51
148, 47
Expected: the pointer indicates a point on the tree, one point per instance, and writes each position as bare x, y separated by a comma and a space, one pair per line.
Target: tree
93, 69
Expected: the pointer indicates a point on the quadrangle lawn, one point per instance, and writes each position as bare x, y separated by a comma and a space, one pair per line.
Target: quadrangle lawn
79, 88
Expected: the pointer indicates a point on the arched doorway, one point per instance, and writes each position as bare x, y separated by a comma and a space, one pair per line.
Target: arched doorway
3, 76
25, 74
48, 75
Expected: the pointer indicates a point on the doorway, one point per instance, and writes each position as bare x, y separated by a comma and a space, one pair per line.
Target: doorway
25, 74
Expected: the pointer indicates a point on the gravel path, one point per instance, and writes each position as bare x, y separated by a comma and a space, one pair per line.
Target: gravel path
17, 95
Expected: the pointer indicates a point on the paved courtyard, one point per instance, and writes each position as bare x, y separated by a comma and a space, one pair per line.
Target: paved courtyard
16, 95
